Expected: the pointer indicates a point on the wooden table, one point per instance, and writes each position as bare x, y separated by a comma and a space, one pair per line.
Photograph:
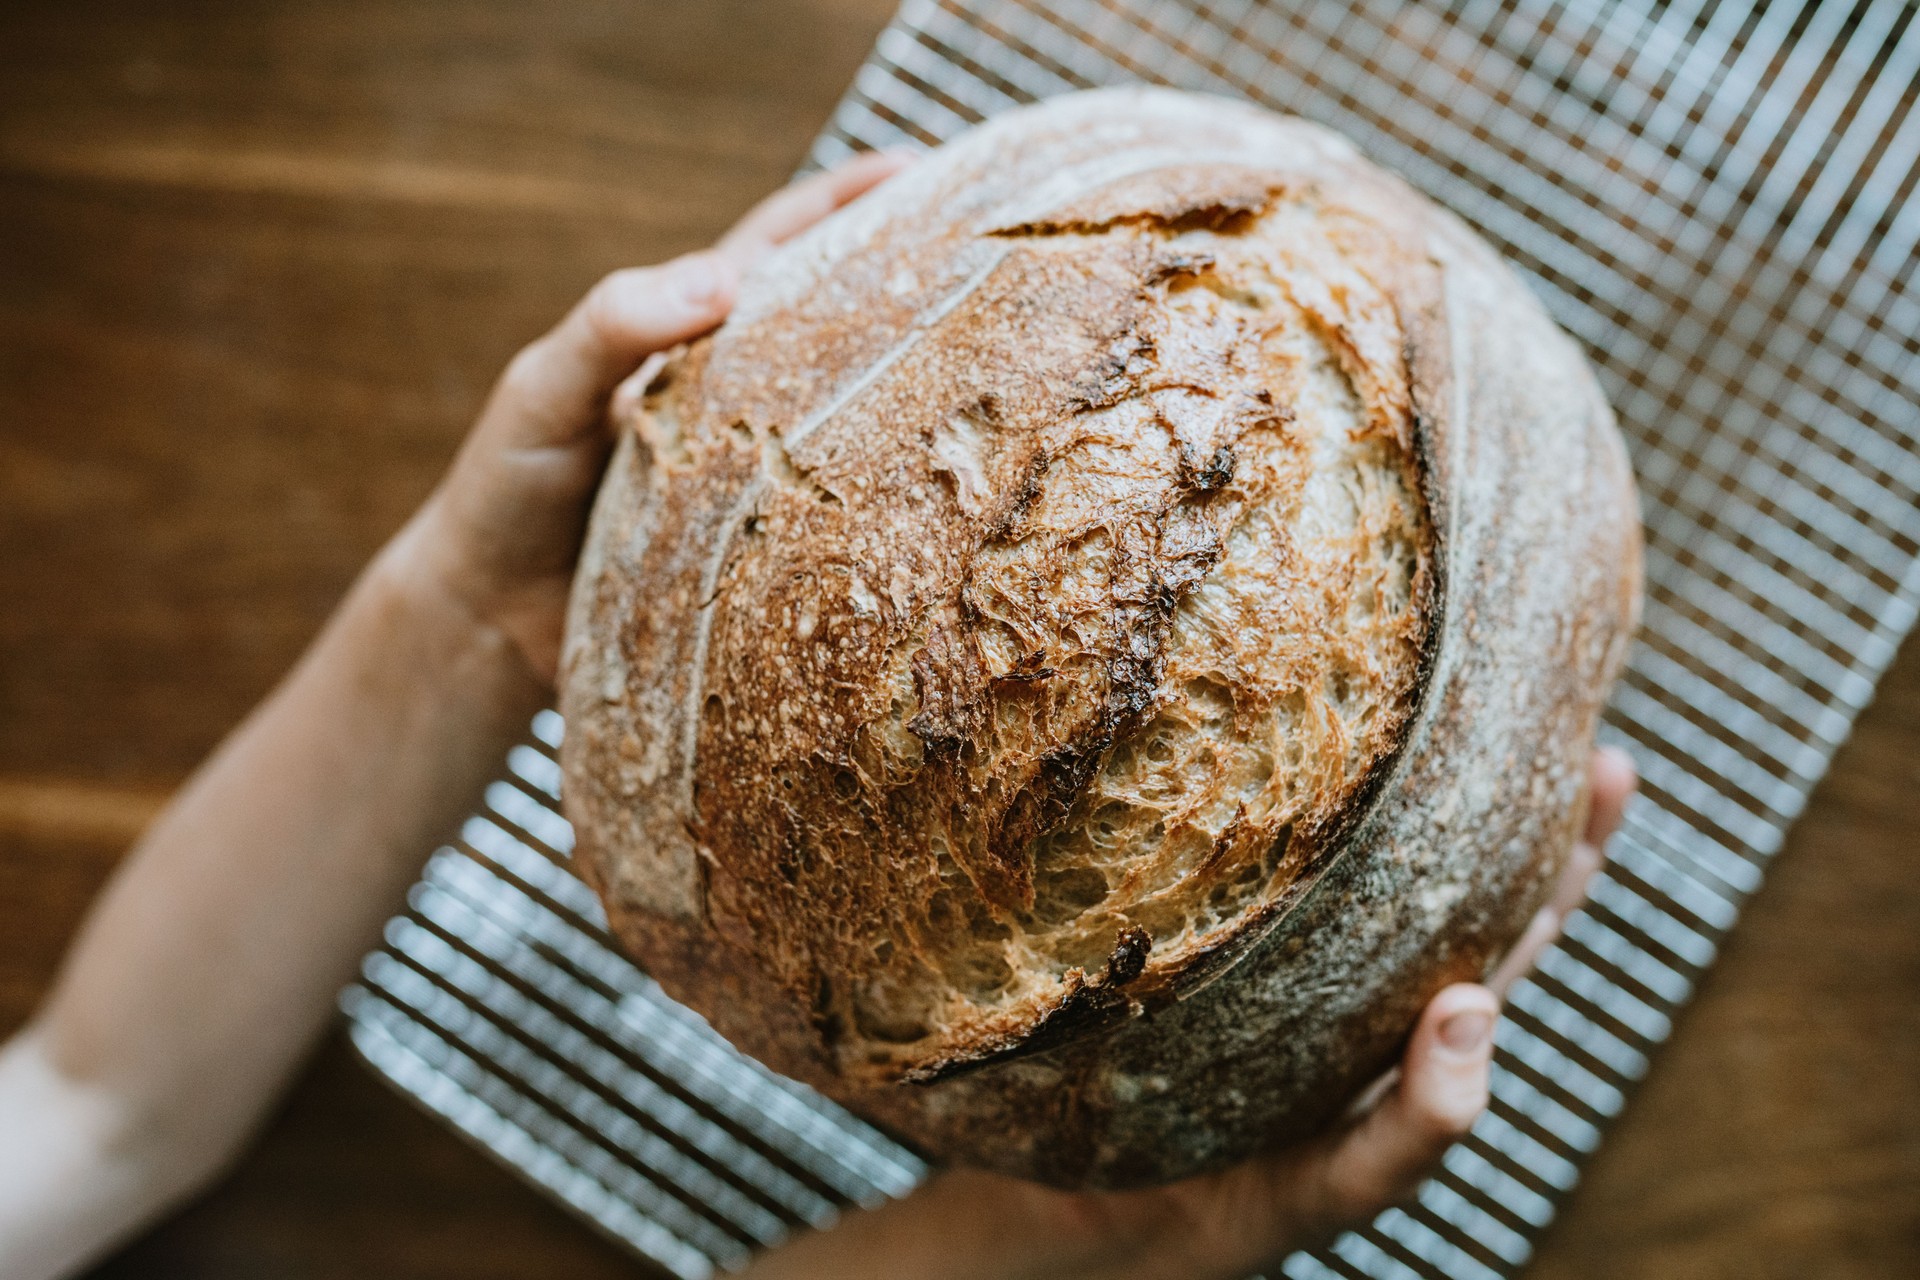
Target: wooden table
258, 264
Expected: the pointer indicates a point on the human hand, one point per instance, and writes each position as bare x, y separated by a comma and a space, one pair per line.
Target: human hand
978, 1225
500, 535
211, 963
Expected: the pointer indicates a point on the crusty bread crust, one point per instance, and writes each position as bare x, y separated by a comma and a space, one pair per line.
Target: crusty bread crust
1112, 623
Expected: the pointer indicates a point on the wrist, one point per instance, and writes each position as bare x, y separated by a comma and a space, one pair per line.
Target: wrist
516, 595
82, 1168
417, 617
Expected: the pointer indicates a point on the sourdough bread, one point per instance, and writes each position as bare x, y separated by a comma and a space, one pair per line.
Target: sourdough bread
1111, 624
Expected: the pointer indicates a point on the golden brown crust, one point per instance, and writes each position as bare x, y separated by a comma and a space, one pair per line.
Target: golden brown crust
1111, 624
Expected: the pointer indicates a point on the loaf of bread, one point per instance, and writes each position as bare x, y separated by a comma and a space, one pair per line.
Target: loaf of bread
1112, 623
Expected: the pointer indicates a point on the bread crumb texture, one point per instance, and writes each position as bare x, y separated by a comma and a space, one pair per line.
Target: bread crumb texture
1004, 622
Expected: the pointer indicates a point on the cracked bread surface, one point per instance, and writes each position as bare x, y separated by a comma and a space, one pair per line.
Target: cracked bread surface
1001, 646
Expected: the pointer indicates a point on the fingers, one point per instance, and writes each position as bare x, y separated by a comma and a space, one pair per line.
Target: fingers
503, 531
554, 391
1610, 784
1442, 1091
1612, 779
1521, 957
635, 312
787, 212
1570, 890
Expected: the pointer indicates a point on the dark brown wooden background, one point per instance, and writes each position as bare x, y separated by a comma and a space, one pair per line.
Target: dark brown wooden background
259, 261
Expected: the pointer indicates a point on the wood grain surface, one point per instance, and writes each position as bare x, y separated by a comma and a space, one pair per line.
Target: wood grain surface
258, 264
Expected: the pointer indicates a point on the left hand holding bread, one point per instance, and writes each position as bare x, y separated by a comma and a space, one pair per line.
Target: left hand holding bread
209, 965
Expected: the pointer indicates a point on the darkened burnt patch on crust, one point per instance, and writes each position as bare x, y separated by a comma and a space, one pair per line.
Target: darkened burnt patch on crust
1129, 956
1210, 475
950, 692
1013, 511
1115, 377
1030, 669
1039, 806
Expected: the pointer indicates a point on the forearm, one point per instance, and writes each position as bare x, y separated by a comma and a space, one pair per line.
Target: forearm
208, 967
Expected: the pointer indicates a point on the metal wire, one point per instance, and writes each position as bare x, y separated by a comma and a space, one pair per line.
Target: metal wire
1716, 197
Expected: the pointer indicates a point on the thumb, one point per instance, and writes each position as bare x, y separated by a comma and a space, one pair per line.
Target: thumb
555, 391
1442, 1091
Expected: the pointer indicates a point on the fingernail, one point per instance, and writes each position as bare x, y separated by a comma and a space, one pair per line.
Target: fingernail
702, 278
1467, 1032
1623, 761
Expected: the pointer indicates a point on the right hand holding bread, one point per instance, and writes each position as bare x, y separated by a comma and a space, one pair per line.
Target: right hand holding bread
970, 1225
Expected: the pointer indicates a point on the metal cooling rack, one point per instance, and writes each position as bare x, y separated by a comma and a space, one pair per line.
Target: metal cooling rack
1718, 200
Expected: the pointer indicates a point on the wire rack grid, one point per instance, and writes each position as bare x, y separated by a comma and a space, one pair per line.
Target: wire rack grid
1717, 198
